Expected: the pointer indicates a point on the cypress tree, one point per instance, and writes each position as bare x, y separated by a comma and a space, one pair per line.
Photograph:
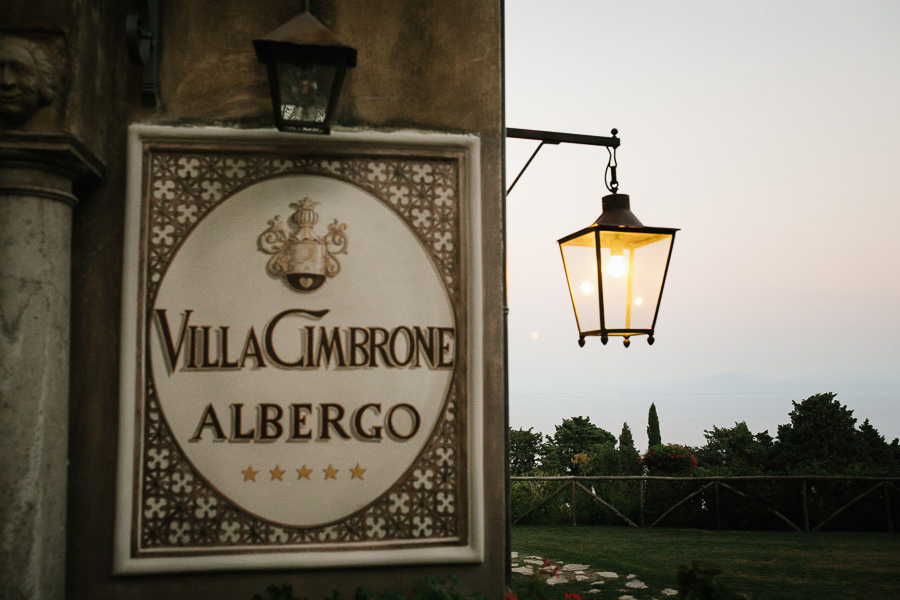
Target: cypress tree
629, 459
653, 437
625, 439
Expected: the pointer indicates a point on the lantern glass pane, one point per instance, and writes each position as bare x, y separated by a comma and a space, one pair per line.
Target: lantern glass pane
632, 266
580, 260
304, 92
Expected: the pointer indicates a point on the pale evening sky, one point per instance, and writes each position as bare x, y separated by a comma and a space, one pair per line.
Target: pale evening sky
769, 133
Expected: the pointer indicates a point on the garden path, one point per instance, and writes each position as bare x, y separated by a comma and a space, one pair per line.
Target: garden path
595, 581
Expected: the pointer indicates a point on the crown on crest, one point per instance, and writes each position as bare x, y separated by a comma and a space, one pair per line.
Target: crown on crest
301, 258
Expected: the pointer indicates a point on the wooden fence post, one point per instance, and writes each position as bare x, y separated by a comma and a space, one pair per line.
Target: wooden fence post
573, 504
804, 505
643, 498
718, 513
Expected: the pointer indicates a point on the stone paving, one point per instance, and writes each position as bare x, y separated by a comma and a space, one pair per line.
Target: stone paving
595, 581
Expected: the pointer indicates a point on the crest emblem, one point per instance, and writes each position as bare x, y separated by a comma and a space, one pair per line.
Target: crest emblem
302, 258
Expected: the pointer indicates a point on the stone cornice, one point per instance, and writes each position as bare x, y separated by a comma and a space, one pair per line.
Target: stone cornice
45, 165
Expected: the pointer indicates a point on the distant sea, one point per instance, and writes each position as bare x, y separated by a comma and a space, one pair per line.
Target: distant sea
688, 407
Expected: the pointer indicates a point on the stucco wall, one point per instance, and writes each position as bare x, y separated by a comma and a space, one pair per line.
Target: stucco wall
432, 66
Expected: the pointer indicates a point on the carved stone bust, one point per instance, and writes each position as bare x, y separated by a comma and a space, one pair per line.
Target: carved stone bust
27, 79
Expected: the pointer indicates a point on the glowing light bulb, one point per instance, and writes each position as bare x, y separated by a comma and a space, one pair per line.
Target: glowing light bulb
638, 301
587, 287
617, 265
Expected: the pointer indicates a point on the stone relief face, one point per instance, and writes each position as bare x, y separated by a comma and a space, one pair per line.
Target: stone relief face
26, 79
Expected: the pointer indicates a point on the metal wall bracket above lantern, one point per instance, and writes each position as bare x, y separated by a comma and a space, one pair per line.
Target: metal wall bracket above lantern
306, 65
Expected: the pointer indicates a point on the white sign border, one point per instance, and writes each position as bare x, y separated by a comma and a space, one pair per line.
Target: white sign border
473, 551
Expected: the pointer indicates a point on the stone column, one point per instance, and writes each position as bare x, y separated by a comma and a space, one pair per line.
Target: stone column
36, 176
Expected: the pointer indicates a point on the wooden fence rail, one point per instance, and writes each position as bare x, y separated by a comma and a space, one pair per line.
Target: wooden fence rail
585, 485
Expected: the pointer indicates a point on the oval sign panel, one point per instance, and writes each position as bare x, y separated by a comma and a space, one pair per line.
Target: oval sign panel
286, 336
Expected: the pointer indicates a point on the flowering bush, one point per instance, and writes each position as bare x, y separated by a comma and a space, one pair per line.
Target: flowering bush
669, 459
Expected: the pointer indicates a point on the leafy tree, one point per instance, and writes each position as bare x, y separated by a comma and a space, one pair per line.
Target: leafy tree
606, 459
822, 437
573, 437
873, 450
600, 460
765, 439
895, 451
525, 448
653, 427
735, 450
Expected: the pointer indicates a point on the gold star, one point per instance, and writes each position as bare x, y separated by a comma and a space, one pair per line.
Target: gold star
249, 474
330, 472
303, 473
277, 473
357, 472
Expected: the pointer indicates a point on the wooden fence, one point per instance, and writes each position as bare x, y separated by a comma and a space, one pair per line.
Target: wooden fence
715, 486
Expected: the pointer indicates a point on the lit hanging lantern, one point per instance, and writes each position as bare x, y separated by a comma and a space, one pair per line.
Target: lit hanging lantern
306, 65
616, 270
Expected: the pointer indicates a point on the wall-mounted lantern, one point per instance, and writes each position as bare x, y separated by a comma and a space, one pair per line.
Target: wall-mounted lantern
306, 65
616, 268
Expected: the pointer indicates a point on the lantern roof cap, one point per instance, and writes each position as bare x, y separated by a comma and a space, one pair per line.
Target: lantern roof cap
303, 30
301, 40
617, 211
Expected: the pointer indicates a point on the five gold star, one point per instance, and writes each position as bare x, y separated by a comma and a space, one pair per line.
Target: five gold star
302, 473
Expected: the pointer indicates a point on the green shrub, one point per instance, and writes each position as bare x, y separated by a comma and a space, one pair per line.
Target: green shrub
432, 588
697, 582
524, 495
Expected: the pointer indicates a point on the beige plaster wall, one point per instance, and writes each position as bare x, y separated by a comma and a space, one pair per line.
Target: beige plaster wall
428, 65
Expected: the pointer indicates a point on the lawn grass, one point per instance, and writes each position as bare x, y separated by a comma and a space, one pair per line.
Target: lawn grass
770, 565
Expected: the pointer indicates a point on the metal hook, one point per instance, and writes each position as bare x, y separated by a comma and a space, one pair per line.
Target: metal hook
613, 184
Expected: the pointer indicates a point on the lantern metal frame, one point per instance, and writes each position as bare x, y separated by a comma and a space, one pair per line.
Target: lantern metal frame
306, 43
616, 219
604, 332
